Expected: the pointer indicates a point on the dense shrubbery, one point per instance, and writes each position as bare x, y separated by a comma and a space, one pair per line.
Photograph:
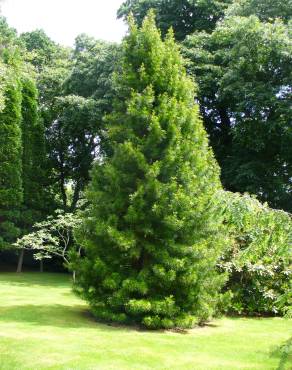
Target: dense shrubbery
259, 258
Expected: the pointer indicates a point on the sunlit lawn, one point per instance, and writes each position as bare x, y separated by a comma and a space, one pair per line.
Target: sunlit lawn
44, 326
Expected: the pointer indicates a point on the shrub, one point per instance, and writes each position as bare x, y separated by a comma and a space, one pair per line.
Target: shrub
259, 259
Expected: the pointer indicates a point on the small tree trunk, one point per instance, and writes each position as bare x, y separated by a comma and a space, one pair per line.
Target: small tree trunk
76, 196
20, 261
41, 266
74, 272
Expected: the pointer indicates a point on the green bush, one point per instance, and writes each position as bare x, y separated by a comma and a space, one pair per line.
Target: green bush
259, 258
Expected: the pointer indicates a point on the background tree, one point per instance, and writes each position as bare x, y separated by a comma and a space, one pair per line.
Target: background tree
73, 144
10, 159
35, 198
184, 16
24, 197
244, 73
265, 10
75, 92
42, 50
91, 77
11, 192
152, 235
52, 238
2, 84
243, 68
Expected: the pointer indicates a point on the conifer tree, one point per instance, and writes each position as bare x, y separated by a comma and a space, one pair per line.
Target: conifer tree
152, 234
11, 192
33, 158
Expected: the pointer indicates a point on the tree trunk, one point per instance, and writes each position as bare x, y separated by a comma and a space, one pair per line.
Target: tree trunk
63, 190
75, 196
225, 127
41, 266
20, 261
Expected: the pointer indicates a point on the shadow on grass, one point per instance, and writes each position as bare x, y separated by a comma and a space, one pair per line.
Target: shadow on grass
284, 353
48, 315
34, 278
65, 316
59, 316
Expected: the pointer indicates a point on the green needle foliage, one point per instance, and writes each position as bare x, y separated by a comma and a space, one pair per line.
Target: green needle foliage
35, 195
152, 235
10, 159
29, 130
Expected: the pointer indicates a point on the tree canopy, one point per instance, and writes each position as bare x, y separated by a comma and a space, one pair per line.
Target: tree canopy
184, 16
244, 72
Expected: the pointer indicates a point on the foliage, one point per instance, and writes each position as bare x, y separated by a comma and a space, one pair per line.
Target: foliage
10, 158
36, 198
259, 260
42, 51
72, 141
22, 152
266, 10
52, 237
3, 73
91, 77
244, 74
243, 68
75, 91
151, 235
184, 16
93, 64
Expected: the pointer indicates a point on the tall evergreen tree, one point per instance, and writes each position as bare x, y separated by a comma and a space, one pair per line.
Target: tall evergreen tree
11, 192
152, 234
33, 158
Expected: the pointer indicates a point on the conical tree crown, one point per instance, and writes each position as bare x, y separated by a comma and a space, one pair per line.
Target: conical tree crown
152, 235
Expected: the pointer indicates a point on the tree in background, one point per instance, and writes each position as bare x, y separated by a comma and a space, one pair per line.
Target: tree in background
52, 65
265, 10
244, 72
23, 194
2, 84
11, 193
152, 235
73, 144
184, 16
34, 155
43, 50
75, 91
242, 64
10, 162
52, 237
91, 77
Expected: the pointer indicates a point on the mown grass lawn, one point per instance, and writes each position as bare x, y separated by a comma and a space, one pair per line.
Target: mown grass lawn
44, 326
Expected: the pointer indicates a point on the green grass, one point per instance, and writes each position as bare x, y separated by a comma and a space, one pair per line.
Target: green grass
44, 326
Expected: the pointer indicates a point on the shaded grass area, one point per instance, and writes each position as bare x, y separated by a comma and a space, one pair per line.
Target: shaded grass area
44, 326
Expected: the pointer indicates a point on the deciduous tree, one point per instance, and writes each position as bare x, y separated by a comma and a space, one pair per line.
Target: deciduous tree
185, 16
